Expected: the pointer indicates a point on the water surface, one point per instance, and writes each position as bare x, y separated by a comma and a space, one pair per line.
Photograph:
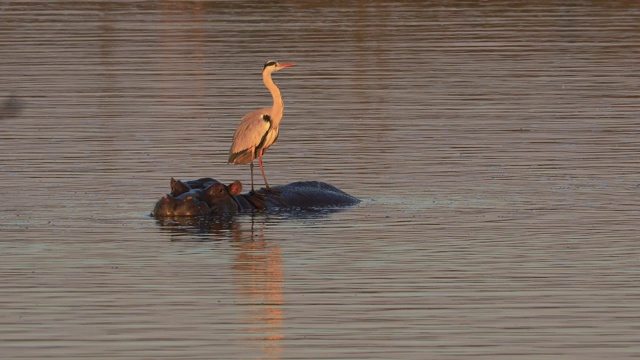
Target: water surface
495, 146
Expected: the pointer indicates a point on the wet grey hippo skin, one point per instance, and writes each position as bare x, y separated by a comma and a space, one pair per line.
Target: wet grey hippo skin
207, 196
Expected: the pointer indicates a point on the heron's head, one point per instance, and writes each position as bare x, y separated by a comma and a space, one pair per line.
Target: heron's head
272, 65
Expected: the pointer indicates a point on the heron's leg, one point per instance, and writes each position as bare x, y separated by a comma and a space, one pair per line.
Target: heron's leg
270, 190
253, 192
251, 166
261, 168
260, 152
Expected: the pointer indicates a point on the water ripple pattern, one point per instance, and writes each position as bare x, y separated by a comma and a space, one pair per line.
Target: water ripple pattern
495, 146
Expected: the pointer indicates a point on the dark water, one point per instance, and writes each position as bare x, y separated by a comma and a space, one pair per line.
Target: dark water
495, 145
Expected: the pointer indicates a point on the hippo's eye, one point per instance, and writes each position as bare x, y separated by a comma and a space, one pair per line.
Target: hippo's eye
217, 189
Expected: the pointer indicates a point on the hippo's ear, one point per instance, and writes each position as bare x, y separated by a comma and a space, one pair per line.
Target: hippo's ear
235, 188
178, 187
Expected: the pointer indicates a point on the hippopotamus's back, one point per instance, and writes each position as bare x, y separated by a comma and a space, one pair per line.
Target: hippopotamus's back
314, 194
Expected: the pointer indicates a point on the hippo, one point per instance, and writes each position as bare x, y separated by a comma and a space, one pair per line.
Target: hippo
207, 196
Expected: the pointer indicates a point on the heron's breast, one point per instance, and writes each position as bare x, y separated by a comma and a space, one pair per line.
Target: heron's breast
270, 138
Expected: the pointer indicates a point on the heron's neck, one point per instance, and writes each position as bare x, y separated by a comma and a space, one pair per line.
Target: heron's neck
278, 106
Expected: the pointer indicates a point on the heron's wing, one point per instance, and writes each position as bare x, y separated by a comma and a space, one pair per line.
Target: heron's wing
248, 135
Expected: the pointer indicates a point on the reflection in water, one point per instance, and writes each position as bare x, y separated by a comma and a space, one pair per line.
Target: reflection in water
199, 225
257, 264
229, 227
258, 270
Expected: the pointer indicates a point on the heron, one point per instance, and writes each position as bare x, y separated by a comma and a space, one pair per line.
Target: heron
258, 130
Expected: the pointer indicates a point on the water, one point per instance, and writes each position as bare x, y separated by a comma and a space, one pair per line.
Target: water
495, 146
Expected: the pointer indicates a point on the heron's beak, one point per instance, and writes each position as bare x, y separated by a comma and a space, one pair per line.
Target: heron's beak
284, 65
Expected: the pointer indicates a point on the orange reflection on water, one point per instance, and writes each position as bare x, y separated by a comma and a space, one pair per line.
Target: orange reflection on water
259, 279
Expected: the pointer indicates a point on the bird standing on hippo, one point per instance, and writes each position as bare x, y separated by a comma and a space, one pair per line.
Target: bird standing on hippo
259, 129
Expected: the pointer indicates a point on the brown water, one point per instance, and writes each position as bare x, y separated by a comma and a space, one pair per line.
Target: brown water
495, 145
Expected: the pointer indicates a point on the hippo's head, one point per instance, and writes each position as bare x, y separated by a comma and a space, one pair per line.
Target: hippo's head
221, 198
169, 206
164, 207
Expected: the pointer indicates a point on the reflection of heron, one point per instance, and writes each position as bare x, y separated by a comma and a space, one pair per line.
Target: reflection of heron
260, 280
259, 129
10, 108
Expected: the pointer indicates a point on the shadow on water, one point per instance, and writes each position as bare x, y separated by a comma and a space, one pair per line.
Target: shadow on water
10, 107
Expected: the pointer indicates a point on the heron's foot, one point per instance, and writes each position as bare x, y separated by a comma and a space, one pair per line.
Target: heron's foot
273, 191
259, 195
277, 194
257, 200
